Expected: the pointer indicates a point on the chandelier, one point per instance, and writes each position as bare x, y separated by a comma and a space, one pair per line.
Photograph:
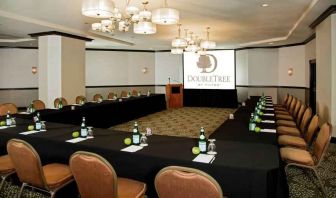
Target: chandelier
191, 43
141, 20
166, 15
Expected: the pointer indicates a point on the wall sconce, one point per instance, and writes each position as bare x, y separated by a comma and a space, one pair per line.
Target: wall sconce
34, 70
290, 71
144, 70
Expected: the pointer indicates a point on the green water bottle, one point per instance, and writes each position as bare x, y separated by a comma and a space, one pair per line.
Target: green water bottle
202, 141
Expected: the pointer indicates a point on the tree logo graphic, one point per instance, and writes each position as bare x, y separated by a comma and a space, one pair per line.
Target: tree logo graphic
205, 63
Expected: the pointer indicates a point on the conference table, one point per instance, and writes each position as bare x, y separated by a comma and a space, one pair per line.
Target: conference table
105, 114
242, 168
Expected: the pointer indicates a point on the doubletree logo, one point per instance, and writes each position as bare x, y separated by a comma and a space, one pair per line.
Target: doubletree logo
206, 64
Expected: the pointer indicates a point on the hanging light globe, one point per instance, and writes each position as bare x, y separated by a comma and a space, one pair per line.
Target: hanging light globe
179, 42
96, 26
97, 8
165, 16
144, 27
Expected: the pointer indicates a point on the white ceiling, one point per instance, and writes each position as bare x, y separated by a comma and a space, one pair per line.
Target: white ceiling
234, 23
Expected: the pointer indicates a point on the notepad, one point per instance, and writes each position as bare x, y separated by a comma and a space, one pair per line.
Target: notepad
29, 132
132, 149
268, 114
268, 130
270, 109
204, 158
24, 113
79, 139
268, 121
269, 105
3, 127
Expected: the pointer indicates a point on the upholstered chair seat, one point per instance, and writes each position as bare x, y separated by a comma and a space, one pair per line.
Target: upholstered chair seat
295, 155
283, 130
6, 168
284, 117
56, 174
287, 123
292, 141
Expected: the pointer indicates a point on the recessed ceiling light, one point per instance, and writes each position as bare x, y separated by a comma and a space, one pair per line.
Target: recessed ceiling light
271, 43
264, 5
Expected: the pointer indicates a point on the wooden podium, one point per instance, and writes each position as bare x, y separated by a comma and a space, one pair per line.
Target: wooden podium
174, 93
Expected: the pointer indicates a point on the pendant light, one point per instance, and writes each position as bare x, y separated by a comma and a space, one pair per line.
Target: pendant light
97, 8
178, 41
165, 15
207, 44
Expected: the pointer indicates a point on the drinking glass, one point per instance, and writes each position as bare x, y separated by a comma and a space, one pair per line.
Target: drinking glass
13, 122
90, 131
212, 147
43, 126
143, 140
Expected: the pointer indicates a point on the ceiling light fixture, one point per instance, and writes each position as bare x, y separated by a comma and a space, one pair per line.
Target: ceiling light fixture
165, 15
141, 20
264, 5
97, 8
192, 43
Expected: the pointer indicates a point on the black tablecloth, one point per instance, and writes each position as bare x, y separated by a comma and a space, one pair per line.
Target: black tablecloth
210, 98
242, 169
105, 114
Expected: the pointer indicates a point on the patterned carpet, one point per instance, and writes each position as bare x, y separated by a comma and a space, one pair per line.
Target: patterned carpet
185, 122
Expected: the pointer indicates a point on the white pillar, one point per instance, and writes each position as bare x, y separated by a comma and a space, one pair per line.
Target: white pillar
61, 68
326, 70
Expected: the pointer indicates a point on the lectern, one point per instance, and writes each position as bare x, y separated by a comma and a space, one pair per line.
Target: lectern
174, 93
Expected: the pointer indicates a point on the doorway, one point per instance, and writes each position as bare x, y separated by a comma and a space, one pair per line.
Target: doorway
312, 85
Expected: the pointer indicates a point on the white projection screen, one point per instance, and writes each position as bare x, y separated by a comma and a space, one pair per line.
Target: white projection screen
215, 70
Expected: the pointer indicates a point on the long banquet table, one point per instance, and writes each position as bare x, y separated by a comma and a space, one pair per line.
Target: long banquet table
242, 168
107, 113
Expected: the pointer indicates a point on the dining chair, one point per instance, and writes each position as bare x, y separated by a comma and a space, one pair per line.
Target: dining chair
183, 182
79, 99
57, 101
296, 131
301, 142
38, 105
283, 114
293, 123
288, 102
134, 92
283, 104
4, 108
95, 177
96, 97
291, 115
305, 159
110, 95
6, 168
49, 178
123, 94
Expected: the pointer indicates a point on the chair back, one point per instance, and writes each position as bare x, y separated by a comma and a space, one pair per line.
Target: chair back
292, 106
305, 120
4, 108
97, 96
134, 92
289, 100
57, 101
312, 128
285, 99
110, 95
300, 114
27, 163
175, 181
123, 94
95, 177
321, 143
79, 99
297, 108
38, 105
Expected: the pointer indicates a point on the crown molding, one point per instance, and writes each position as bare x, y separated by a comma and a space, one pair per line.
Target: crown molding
60, 34
331, 10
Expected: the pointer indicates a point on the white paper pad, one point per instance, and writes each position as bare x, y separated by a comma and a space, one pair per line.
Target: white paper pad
24, 113
270, 109
79, 139
204, 158
269, 105
111, 99
3, 127
268, 114
29, 132
268, 121
132, 148
268, 130
124, 97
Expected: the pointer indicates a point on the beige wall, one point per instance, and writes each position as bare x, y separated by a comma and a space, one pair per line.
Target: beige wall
73, 68
326, 70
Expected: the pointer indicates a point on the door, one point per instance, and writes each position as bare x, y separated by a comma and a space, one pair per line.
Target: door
312, 90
